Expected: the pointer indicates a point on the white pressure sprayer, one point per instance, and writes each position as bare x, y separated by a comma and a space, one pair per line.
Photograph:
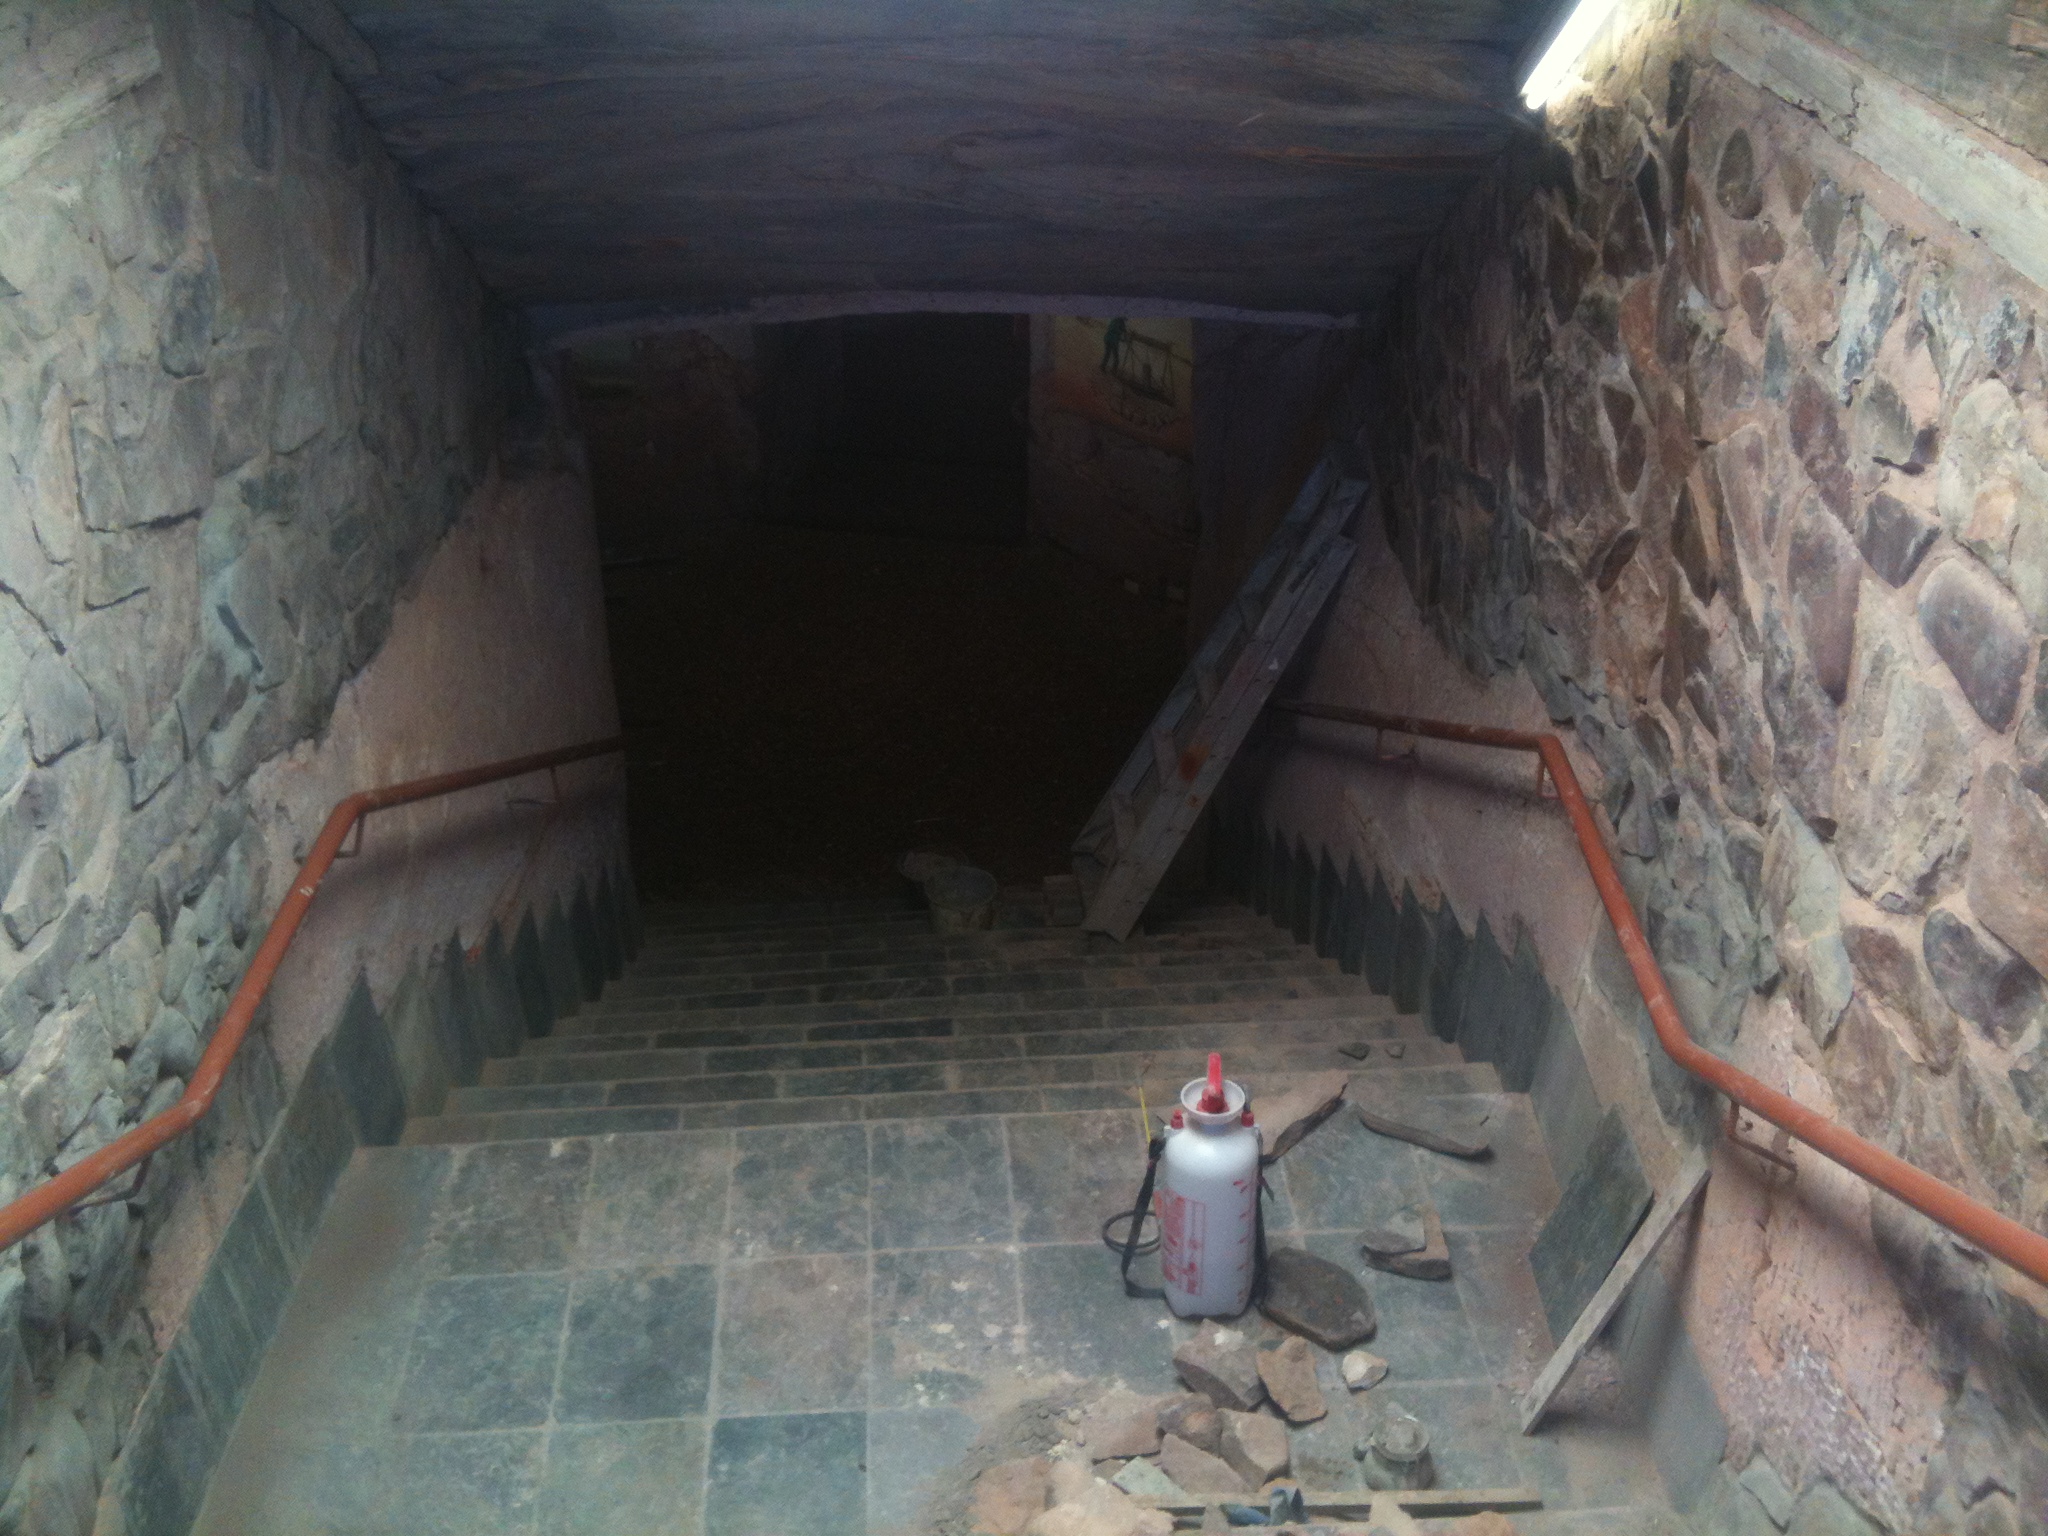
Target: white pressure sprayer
1208, 1199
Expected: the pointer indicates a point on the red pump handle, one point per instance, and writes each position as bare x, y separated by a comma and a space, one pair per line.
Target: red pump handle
1212, 1101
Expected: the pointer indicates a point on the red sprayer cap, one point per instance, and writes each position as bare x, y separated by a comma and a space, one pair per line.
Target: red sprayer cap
1212, 1101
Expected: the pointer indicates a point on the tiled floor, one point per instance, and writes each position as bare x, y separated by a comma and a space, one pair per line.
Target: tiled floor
790, 1331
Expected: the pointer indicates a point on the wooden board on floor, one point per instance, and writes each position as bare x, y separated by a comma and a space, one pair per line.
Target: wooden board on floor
1124, 850
1649, 1237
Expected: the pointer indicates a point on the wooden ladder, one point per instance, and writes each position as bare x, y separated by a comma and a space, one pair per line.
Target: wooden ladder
1123, 852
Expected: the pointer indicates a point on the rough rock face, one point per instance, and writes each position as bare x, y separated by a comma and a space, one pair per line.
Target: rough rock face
1755, 495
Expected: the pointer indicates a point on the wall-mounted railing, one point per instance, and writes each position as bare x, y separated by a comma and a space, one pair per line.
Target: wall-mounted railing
54, 1197
1974, 1222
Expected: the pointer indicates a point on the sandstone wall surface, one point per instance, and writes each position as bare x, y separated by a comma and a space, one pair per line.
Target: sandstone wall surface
248, 386
1699, 438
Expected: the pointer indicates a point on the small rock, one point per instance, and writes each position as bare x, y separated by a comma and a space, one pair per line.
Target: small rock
1120, 1424
1403, 1232
1357, 1050
1296, 1110
1194, 1418
1289, 1373
1362, 1369
1427, 1125
1142, 1480
1101, 1511
1222, 1365
1431, 1260
1397, 1049
1255, 1446
1010, 1495
1317, 1299
1196, 1470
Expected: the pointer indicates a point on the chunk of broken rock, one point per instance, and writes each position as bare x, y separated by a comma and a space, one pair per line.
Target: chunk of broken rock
1142, 1479
1119, 1424
1357, 1050
1289, 1373
1362, 1369
1222, 1365
1196, 1470
1298, 1108
1428, 1260
1010, 1495
1427, 1123
1316, 1299
1255, 1445
1193, 1417
1101, 1511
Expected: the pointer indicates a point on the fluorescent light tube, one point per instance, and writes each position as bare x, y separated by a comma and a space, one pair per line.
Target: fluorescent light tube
1562, 57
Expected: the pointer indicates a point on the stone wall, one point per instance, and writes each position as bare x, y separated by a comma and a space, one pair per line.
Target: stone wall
1698, 437
247, 385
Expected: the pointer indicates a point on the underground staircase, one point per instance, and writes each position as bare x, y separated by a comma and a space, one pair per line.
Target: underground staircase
753, 1243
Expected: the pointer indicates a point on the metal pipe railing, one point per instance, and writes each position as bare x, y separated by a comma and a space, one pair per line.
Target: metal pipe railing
1997, 1235
54, 1197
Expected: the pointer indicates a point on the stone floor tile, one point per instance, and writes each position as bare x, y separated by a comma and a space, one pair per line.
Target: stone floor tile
1423, 1334
656, 1199
1069, 1172
938, 1183
625, 1480
911, 1453
468, 1485
1471, 1434
1078, 1319
1511, 1187
638, 1344
511, 1206
1490, 1267
271, 1481
1342, 1175
800, 1474
945, 1322
793, 1335
799, 1192
483, 1353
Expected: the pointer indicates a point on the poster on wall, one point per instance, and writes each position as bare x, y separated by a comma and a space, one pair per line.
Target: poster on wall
1134, 375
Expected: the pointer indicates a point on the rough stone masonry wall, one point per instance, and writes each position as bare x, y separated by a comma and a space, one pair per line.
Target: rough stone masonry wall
1695, 428
246, 387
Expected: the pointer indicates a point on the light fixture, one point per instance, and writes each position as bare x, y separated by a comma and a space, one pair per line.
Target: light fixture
1565, 51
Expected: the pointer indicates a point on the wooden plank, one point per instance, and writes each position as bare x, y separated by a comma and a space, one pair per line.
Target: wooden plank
1658, 1225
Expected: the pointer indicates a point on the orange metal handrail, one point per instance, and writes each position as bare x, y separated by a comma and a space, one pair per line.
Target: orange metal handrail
2000, 1236
54, 1197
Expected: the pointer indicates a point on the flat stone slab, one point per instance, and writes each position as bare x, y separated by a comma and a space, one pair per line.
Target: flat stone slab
1222, 1364
1602, 1206
1430, 1259
1194, 1418
1427, 1123
1289, 1373
1256, 1446
1142, 1479
1196, 1470
1298, 1108
1316, 1299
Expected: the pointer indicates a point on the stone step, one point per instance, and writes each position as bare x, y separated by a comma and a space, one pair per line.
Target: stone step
904, 922
953, 978
919, 932
911, 1000
633, 1032
976, 955
609, 1119
711, 916
1233, 1038
645, 1083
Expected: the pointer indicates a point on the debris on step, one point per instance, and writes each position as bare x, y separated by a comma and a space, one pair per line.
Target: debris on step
1439, 1127
1196, 1470
1100, 1510
1488, 1522
1142, 1479
1397, 1455
1397, 1049
1255, 1445
1011, 1494
1222, 1365
1297, 1109
1316, 1299
1194, 1418
1357, 1050
1120, 1423
1387, 1246
1289, 1373
1362, 1370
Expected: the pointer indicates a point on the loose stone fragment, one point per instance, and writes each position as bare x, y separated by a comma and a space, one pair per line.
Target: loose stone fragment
1427, 1124
1317, 1299
1196, 1470
1298, 1109
1010, 1495
1428, 1260
1255, 1446
1397, 1049
1289, 1373
1194, 1418
1362, 1369
1222, 1365
1101, 1511
1402, 1232
1141, 1479
1357, 1050
1120, 1424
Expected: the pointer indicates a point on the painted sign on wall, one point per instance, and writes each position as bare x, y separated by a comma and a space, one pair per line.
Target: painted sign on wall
1134, 375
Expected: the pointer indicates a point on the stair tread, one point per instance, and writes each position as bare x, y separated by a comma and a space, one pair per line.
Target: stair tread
647, 976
